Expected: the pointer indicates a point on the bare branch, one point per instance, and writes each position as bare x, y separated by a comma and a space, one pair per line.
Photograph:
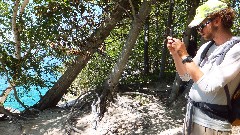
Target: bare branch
12, 86
24, 4
126, 11
129, 44
15, 30
17, 98
4, 95
133, 10
6, 92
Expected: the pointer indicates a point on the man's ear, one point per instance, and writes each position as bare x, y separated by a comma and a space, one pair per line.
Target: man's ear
217, 21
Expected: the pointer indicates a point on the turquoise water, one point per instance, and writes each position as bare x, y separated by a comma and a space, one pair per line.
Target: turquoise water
31, 97
28, 98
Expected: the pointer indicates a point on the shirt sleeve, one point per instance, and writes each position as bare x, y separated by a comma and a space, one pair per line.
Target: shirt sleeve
186, 77
222, 74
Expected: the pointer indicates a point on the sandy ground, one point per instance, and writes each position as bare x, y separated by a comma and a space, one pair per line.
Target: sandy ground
131, 114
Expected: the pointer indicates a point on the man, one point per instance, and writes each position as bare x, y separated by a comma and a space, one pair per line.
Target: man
213, 21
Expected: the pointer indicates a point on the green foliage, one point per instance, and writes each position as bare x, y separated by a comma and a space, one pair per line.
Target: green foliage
134, 70
101, 64
48, 32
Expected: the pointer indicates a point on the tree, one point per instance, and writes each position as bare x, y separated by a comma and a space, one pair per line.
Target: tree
164, 49
109, 87
146, 46
190, 35
12, 58
53, 96
39, 35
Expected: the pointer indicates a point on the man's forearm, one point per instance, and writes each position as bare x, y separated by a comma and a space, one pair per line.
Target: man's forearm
189, 67
179, 65
193, 70
178, 50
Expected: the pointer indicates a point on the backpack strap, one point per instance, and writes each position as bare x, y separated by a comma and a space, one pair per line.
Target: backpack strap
204, 53
219, 60
228, 96
227, 48
226, 86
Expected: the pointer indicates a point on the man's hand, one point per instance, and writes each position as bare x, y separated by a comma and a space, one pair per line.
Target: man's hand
170, 45
176, 46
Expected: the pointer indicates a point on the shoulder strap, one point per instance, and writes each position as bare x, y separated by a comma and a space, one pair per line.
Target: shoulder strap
204, 53
227, 48
226, 86
228, 96
220, 59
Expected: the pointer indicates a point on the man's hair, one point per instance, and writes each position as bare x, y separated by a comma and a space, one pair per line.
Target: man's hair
227, 15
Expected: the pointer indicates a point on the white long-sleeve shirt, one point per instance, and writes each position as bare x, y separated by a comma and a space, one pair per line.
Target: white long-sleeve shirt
209, 88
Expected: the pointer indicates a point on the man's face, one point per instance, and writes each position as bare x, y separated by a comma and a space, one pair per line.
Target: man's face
207, 29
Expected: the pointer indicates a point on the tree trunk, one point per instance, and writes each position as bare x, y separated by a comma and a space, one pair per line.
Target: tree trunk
100, 104
156, 62
164, 49
54, 95
190, 36
146, 46
127, 49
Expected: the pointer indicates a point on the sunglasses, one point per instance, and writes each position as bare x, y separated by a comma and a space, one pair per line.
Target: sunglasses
200, 28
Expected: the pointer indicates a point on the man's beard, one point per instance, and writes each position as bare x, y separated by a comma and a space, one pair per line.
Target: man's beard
210, 35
